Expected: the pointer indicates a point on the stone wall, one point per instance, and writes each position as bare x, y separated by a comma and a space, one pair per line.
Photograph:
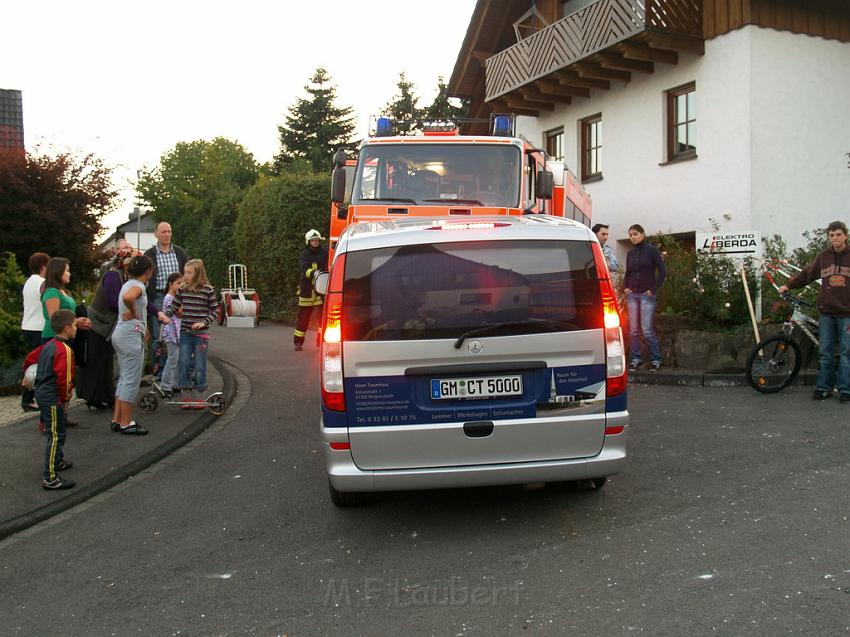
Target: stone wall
687, 344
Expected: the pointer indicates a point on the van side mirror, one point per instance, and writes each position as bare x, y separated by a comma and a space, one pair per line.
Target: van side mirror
321, 282
545, 184
338, 185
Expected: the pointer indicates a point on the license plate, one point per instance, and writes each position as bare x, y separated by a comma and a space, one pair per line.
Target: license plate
490, 387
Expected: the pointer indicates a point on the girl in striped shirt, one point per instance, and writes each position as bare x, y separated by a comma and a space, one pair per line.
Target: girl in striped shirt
197, 305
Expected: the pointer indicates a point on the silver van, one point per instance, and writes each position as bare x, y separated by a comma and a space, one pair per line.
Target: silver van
471, 352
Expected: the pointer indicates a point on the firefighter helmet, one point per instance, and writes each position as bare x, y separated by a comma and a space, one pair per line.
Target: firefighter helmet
312, 234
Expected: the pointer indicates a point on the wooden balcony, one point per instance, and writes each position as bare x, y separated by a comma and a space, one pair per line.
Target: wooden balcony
606, 40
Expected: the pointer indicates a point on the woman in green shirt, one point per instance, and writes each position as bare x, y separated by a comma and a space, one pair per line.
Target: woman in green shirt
54, 296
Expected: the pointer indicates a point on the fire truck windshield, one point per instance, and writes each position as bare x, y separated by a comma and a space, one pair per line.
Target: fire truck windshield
421, 173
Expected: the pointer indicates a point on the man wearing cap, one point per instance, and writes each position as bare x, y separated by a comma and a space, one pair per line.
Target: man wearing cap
166, 258
314, 259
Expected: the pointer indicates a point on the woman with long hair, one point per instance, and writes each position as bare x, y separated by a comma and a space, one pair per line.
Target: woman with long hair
645, 273
55, 295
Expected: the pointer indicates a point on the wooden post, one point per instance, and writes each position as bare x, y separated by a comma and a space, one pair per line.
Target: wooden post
750, 303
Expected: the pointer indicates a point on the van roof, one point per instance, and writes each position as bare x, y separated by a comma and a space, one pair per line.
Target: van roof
417, 230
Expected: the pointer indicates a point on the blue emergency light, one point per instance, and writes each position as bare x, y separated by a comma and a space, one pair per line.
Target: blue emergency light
503, 125
383, 127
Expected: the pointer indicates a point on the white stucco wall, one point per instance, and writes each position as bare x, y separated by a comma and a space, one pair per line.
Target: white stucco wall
800, 132
755, 95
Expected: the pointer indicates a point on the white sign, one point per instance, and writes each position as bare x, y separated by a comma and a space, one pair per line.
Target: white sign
743, 243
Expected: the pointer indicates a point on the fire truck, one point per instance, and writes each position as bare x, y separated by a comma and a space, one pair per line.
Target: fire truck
441, 173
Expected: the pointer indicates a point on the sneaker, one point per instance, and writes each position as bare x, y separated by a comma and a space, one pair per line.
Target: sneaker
58, 483
845, 398
115, 426
63, 465
298, 348
133, 429
821, 395
655, 366
634, 365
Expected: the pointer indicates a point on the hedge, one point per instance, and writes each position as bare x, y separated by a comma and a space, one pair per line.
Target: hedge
274, 215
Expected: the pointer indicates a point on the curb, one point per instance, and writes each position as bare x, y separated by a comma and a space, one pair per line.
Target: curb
700, 379
191, 431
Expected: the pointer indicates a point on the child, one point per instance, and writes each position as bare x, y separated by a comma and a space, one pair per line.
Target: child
128, 339
169, 336
54, 382
196, 299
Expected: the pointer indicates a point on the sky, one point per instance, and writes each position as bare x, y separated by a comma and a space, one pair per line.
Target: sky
128, 81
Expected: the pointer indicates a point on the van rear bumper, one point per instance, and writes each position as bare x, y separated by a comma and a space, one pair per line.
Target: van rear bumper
347, 477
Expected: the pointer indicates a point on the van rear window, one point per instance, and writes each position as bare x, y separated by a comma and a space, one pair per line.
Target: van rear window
444, 290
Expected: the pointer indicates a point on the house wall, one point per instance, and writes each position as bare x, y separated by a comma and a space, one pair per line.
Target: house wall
800, 88
679, 197
772, 140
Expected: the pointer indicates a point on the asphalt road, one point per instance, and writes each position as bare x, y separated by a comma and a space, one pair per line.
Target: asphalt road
731, 518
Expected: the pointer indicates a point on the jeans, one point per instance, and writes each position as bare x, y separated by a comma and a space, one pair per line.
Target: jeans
193, 353
832, 329
155, 328
169, 373
129, 345
641, 314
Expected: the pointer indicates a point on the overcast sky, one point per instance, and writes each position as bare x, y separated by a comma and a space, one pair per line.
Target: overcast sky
128, 81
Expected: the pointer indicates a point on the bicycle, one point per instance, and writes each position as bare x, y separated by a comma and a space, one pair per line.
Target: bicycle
775, 361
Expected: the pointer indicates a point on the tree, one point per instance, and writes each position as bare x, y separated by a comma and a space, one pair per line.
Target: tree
441, 108
314, 128
402, 107
54, 205
269, 235
197, 188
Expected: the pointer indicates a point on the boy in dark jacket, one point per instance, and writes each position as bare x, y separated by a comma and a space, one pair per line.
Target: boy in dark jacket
832, 267
54, 384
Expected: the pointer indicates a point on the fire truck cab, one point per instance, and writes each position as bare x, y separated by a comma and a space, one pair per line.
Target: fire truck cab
442, 173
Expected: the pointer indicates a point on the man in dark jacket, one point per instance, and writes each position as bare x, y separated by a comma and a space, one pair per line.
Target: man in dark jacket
314, 259
832, 267
166, 258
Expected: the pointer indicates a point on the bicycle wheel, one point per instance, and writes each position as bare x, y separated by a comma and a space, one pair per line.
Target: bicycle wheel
773, 364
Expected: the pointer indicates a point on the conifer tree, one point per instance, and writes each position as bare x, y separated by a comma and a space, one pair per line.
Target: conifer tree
314, 128
402, 107
441, 107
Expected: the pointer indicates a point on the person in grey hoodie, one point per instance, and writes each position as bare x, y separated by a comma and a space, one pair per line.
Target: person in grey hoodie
645, 273
832, 267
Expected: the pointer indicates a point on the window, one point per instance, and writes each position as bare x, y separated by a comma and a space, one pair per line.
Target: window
591, 146
513, 287
682, 122
555, 144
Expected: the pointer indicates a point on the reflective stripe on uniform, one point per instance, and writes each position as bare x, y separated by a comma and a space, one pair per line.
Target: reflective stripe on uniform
300, 334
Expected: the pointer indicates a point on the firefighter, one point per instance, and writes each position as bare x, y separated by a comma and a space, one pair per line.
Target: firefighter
314, 259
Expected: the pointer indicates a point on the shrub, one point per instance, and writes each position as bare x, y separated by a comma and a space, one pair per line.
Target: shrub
12, 346
273, 217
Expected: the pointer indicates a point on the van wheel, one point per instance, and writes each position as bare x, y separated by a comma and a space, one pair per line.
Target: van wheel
345, 499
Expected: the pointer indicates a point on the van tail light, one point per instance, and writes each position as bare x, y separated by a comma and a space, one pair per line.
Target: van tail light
333, 396
615, 352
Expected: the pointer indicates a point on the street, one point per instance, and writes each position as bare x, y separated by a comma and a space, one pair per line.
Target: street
731, 518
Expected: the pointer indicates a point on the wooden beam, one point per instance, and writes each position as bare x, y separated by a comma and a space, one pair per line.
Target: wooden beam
503, 107
515, 101
638, 51
617, 62
556, 88
676, 42
537, 95
482, 56
591, 70
571, 78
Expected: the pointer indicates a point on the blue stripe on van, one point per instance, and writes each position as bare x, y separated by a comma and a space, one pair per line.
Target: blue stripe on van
334, 418
410, 400
617, 403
